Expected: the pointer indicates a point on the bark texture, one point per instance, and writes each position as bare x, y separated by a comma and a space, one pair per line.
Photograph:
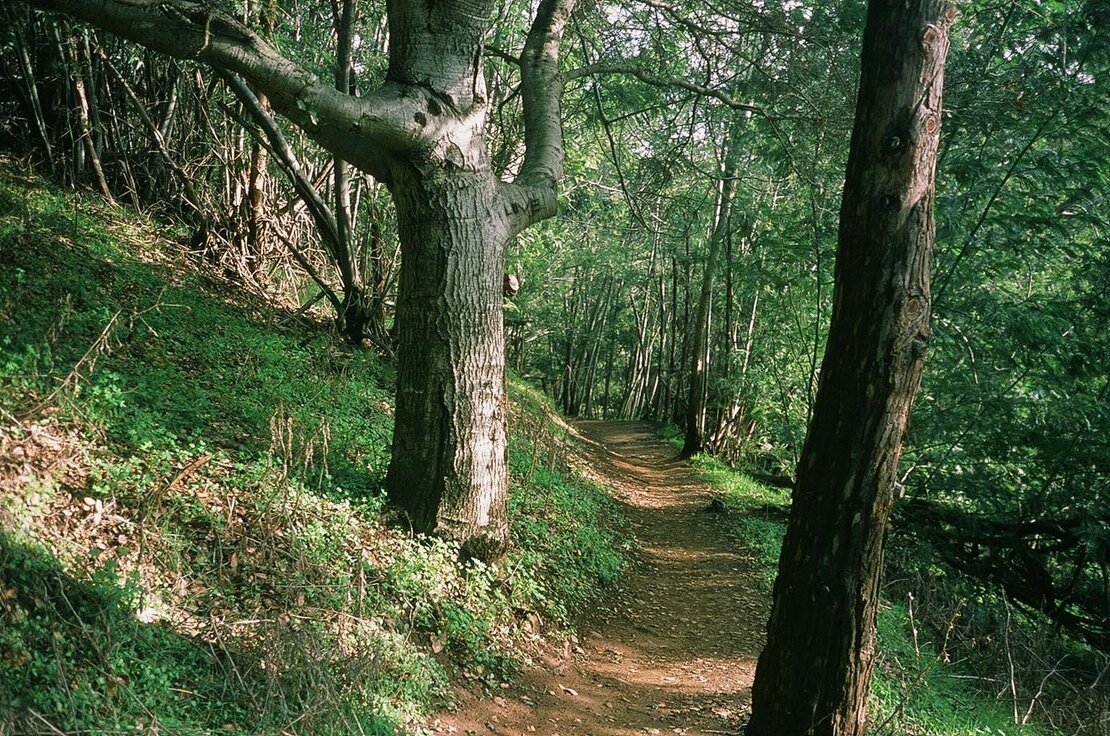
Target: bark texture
449, 467
814, 675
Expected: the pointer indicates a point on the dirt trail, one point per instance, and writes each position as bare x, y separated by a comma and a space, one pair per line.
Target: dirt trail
676, 653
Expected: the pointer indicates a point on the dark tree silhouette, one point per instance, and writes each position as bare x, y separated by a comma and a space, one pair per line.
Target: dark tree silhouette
814, 675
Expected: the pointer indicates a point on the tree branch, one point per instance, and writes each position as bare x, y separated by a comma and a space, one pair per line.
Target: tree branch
365, 131
321, 214
533, 195
635, 70
493, 52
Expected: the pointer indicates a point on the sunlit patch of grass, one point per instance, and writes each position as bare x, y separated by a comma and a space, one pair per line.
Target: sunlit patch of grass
759, 511
672, 435
570, 532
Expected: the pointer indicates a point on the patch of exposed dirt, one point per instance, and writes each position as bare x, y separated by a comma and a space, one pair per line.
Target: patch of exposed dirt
676, 653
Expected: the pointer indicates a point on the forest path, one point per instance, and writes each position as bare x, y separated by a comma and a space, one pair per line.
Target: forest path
675, 652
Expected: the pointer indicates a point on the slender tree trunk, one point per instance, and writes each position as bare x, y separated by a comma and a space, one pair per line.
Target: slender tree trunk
728, 337
699, 367
84, 121
34, 102
660, 391
596, 338
814, 675
749, 336
724, 414
256, 201
376, 315
639, 374
186, 181
608, 379
590, 337
684, 360
672, 367
355, 314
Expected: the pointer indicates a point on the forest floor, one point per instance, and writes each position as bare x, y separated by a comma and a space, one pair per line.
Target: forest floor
675, 652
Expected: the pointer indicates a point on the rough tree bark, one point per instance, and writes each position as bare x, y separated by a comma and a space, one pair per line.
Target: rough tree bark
814, 675
422, 133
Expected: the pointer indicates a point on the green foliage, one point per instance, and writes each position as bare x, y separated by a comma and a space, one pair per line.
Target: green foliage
759, 511
86, 634
193, 534
174, 361
1012, 421
568, 528
918, 693
575, 551
672, 435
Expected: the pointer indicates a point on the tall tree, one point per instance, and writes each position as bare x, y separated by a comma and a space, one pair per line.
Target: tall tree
814, 675
722, 231
422, 132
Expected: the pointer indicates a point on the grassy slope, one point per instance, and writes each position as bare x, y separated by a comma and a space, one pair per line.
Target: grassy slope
191, 530
916, 692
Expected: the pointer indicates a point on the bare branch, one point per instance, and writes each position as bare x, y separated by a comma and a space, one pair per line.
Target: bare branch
637, 71
494, 52
322, 215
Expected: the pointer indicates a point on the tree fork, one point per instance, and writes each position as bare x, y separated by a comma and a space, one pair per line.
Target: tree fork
814, 675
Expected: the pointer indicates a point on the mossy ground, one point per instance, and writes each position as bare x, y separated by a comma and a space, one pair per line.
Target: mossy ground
191, 517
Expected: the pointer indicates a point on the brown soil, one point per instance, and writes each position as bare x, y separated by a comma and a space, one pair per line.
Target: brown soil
675, 654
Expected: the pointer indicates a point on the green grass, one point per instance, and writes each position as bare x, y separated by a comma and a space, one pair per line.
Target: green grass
191, 522
567, 524
672, 435
759, 511
915, 691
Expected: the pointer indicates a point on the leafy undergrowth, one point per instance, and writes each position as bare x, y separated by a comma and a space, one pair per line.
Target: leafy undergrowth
916, 691
191, 521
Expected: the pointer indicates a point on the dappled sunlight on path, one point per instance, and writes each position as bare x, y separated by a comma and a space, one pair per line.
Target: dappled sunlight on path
675, 652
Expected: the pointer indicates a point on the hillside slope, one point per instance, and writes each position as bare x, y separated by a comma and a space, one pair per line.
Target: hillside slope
192, 531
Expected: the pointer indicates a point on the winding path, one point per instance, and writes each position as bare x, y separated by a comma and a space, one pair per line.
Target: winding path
675, 654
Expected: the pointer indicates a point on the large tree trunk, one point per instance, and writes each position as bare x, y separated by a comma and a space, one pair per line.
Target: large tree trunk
814, 675
449, 466
449, 447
